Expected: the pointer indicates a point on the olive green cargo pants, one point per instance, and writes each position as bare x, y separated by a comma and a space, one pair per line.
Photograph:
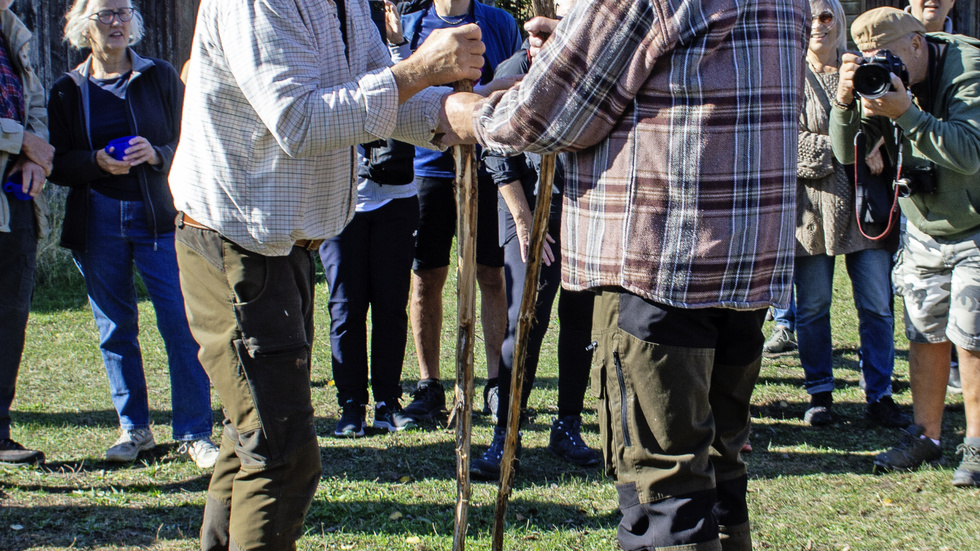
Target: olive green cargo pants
253, 317
674, 387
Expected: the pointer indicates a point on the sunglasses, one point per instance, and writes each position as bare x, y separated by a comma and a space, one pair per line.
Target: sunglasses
825, 17
106, 16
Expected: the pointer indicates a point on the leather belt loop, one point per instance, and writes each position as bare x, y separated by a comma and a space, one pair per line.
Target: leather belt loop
309, 244
184, 220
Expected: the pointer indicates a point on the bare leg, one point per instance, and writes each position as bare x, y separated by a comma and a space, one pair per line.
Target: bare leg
493, 314
426, 313
928, 373
970, 377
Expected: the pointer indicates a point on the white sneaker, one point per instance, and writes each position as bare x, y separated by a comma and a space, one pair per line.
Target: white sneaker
130, 444
203, 452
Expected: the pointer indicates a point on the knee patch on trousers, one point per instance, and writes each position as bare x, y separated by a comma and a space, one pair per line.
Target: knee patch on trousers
679, 522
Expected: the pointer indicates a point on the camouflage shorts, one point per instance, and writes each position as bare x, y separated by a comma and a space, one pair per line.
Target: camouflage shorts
940, 281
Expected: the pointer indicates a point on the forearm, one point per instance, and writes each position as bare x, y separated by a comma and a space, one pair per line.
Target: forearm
75, 167
953, 144
582, 80
844, 125
410, 78
513, 194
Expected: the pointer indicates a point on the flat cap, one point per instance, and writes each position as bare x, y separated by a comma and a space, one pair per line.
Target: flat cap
875, 28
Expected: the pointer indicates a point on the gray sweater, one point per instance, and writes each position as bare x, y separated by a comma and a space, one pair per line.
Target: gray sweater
825, 218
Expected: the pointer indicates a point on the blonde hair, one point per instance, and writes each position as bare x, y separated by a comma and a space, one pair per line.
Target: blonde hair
77, 21
840, 21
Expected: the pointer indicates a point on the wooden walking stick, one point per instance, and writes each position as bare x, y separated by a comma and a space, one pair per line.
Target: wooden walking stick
466, 203
529, 299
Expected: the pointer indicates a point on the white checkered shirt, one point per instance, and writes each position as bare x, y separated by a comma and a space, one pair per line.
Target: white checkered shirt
272, 111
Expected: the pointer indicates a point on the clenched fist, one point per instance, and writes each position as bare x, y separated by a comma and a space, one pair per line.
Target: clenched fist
446, 56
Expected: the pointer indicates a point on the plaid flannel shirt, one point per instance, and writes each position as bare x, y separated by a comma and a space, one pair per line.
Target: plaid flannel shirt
681, 117
272, 111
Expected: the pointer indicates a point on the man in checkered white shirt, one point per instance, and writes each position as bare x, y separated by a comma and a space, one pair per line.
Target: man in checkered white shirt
279, 93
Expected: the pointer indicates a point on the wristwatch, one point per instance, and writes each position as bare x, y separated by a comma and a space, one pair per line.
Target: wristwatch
842, 106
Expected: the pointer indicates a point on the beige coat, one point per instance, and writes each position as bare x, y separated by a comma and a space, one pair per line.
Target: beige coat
17, 36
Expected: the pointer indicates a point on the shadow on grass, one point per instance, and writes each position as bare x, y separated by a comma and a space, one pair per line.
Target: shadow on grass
66, 526
437, 517
541, 384
103, 418
391, 462
83, 527
195, 484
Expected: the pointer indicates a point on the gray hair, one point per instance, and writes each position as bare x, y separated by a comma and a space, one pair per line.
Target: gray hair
77, 21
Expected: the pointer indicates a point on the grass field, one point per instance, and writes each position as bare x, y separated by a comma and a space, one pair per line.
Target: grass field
810, 489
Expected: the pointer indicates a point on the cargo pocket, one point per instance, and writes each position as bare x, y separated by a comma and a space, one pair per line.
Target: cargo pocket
274, 349
280, 387
269, 309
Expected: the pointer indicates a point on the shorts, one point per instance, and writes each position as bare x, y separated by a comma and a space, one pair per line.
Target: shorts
940, 281
437, 223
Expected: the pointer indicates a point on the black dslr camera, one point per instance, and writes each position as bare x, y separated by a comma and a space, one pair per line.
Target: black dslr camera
916, 180
873, 78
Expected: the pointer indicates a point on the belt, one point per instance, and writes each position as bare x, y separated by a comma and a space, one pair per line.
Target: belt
184, 220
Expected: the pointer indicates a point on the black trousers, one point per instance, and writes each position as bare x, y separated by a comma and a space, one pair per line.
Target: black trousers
18, 249
368, 266
574, 315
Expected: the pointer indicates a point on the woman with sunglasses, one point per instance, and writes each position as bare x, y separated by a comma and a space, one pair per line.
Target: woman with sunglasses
826, 227
115, 120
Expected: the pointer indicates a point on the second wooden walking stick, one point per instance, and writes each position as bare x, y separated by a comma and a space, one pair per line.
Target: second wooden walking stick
529, 299
466, 202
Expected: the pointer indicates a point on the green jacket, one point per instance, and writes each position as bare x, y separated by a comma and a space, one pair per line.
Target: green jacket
36, 116
950, 139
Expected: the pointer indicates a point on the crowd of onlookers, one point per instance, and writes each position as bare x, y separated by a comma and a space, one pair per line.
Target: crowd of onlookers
109, 132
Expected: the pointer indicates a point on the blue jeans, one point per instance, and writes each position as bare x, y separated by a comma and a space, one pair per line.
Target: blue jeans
786, 317
118, 236
870, 273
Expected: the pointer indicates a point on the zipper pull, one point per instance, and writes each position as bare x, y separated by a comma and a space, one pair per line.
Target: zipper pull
592, 346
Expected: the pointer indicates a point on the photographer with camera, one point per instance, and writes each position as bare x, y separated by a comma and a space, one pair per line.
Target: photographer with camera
931, 126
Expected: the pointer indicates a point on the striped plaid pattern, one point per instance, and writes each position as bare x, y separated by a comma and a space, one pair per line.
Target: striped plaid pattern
681, 117
11, 88
272, 111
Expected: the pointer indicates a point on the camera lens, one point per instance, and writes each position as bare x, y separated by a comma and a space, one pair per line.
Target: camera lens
872, 80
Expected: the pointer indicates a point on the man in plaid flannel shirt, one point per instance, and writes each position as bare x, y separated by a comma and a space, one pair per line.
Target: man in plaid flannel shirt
680, 118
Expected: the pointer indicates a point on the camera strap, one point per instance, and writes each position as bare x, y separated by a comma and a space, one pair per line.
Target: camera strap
859, 197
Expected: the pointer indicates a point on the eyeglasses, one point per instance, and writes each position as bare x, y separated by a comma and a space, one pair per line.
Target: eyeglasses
825, 17
106, 16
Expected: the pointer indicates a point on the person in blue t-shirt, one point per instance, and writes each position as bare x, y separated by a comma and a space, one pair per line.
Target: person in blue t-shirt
434, 173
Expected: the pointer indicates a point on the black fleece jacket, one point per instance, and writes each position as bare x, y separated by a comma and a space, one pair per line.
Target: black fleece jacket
154, 99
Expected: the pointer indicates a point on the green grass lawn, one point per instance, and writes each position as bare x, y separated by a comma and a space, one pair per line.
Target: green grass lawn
810, 489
